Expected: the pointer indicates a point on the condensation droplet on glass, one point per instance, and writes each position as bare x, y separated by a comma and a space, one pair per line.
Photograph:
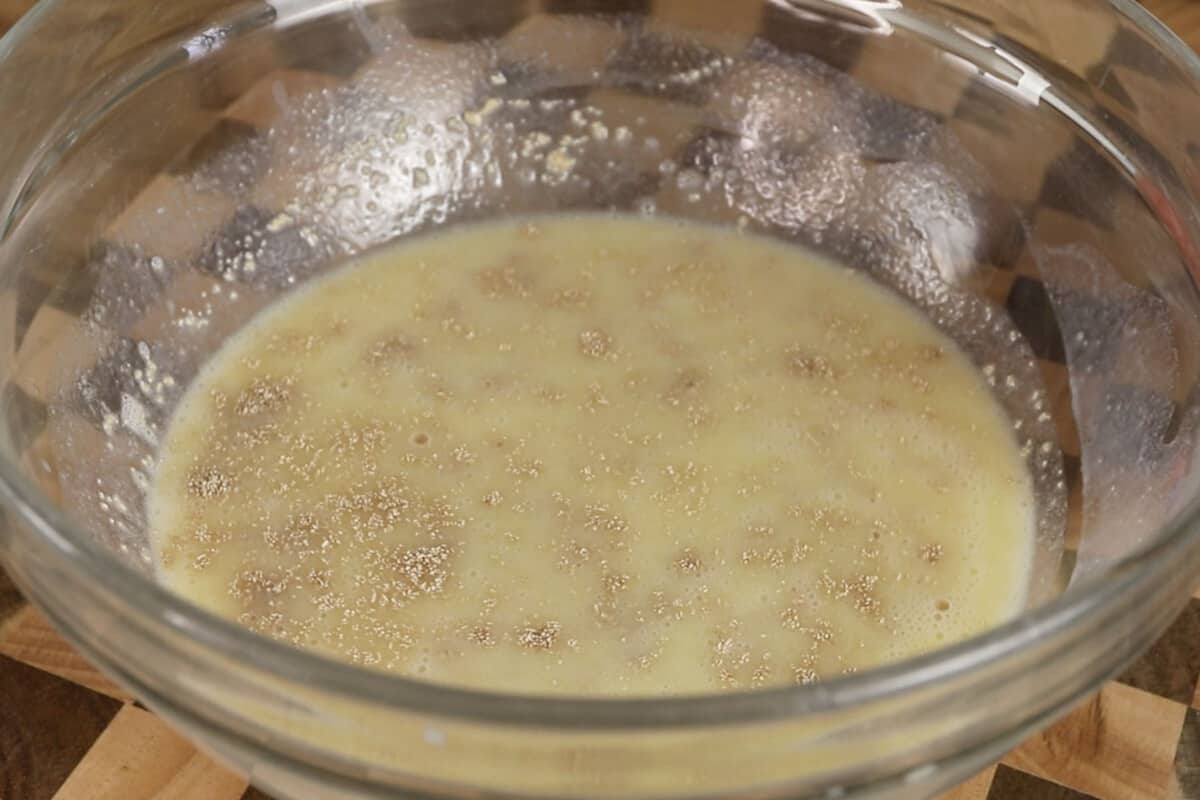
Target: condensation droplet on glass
689, 180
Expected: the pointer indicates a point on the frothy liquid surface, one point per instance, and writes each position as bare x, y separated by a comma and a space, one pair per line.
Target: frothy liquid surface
596, 455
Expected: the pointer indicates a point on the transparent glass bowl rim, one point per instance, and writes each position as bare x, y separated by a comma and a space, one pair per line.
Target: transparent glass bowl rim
141, 596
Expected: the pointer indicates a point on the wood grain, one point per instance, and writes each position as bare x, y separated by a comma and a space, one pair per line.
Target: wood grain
1181, 16
47, 725
1119, 744
1170, 667
138, 756
11, 11
29, 638
10, 600
1012, 784
1186, 781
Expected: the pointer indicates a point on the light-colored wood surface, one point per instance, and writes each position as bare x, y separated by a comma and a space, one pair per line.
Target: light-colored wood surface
29, 638
1120, 743
1181, 16
138, 756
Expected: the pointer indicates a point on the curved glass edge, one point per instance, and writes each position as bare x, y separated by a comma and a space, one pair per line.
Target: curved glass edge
1137, 572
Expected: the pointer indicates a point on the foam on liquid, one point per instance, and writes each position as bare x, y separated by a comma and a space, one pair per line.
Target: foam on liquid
596, 455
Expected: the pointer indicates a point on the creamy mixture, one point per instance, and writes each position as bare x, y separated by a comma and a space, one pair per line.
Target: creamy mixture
596, 455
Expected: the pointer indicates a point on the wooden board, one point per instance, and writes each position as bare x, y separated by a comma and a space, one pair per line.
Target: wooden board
67, 732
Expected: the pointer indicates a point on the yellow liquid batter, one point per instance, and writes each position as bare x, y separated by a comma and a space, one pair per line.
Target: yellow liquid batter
596, 455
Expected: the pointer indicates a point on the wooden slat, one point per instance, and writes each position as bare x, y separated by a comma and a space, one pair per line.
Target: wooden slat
11, 11
1119, 744
29, 638
1181, 16
47, 724
140, 758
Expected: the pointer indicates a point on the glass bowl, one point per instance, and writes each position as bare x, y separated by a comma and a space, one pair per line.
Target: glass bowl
1021, 172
